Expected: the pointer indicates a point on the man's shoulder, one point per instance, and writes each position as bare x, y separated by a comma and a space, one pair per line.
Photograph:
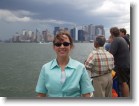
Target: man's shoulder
108, 53
94, 51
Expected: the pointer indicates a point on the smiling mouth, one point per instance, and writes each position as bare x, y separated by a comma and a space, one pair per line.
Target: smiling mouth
63, 51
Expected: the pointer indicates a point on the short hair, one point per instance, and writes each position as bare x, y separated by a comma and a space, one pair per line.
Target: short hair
61, 38
114, 31
123, 30
100, 40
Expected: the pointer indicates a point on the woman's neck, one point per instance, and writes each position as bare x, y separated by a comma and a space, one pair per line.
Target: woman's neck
63, 61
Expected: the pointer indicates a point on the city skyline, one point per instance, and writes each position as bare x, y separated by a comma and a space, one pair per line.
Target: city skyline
78, 34
42, 14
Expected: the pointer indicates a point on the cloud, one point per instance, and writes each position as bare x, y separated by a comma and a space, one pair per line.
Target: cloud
23, 13
67, 12
23, 16
9, 16
52, 21
112, 8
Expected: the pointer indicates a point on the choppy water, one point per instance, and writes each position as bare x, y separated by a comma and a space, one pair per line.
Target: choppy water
20, 65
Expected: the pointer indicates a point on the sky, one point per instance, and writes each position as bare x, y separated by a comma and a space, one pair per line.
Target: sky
17, 15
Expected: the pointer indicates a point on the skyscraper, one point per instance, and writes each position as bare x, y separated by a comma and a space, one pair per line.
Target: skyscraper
74, 34
81, 35
56, 29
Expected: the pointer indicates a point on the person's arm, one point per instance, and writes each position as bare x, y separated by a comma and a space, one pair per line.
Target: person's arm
89, 69
89, 62
114, 47
41, 95
40, 87
85, 84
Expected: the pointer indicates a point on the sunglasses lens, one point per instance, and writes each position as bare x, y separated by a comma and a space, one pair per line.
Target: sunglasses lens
66, 44
58, 44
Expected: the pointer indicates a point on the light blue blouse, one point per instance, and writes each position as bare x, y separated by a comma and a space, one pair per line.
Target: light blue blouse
77, 80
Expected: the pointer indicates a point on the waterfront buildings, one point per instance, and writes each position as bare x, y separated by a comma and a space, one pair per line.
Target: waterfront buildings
83, 33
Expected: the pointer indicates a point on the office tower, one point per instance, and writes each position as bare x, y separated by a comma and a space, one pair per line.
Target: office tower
91, 31
74, 34
56, 29
81, 35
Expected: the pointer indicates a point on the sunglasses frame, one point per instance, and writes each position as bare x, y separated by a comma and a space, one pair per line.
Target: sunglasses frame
58, 44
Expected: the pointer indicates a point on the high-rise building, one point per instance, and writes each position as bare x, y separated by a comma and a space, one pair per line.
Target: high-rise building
100, 30
81, 35
30, 34
91, 31
56, 29
86, 33
45, 35
23, 32
94, 30
74, 34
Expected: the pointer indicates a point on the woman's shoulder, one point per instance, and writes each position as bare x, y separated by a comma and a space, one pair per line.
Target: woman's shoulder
76, 62
48, 64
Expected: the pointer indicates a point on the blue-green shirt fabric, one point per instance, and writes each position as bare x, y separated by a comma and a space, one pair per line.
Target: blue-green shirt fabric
77, 80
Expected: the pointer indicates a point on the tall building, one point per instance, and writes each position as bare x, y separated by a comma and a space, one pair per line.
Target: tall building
91, 31
23, 32
100, 30
94, 30
86, 33
45, 35
56, 29
74, 34
81, 35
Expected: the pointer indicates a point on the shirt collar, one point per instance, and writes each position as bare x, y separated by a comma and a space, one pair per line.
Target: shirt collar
69, 65
100, 48
53, 64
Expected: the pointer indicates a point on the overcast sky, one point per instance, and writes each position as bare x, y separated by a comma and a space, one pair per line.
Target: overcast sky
16, 15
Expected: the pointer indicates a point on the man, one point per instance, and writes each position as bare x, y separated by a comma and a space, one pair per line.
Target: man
100, 62
124, 35
119, 49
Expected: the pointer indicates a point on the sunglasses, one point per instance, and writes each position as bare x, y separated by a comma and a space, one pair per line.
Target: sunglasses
64, 44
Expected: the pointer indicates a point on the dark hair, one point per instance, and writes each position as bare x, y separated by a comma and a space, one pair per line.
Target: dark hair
61, 38
100, 40
114, 31
123, 30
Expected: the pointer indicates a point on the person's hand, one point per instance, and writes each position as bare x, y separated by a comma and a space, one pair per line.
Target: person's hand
41, 95
88, 95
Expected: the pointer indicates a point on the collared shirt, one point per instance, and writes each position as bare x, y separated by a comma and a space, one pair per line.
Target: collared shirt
77, 80
99, 62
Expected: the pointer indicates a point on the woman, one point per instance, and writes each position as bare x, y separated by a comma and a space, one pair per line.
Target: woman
63, 76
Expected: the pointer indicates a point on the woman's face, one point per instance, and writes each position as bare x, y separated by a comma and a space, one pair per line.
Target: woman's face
63, 47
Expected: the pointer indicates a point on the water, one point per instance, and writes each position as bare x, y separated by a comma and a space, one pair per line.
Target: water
20, 65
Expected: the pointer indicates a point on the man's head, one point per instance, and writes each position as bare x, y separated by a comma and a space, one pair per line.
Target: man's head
114, 31
99, 41
122, 32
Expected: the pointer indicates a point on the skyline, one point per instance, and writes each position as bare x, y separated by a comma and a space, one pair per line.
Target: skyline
42, 14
